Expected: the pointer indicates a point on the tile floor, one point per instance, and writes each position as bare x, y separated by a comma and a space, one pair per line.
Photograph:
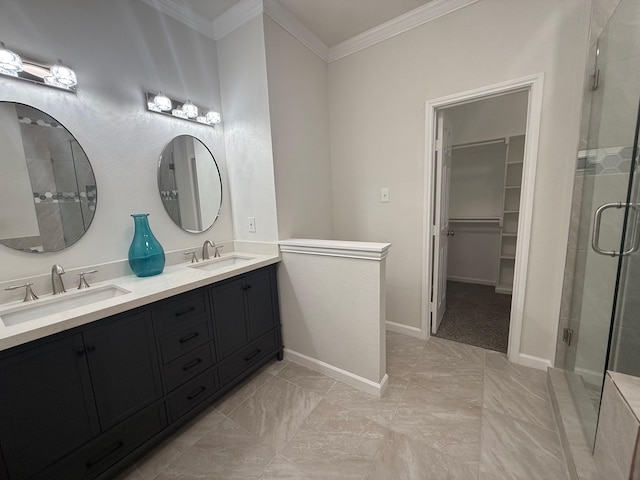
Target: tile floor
451, 411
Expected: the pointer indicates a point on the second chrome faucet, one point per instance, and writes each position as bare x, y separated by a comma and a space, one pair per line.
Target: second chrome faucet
57, 285
205, 250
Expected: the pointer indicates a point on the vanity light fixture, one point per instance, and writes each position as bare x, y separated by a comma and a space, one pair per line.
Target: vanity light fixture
10, 62
160, 103
56, 75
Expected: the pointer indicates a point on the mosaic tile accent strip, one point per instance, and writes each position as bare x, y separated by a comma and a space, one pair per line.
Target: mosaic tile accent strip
605, 161
40, 122
67, 197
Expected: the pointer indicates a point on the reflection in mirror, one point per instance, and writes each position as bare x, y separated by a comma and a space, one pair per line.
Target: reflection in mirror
47, 187
189, 184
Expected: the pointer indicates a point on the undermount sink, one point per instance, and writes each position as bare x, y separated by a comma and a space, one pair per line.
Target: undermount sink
58, 303
222, 262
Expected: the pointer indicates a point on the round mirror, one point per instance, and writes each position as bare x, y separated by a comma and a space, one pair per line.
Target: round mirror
47, 185
189, 183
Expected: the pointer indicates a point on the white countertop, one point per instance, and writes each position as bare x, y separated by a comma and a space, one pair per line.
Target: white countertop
173, 280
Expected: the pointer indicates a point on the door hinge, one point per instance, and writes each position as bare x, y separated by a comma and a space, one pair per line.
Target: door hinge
567, 336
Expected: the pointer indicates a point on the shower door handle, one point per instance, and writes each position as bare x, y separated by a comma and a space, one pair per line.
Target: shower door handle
595, 235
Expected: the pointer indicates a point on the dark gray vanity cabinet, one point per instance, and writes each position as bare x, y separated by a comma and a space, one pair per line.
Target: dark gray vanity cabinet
121, 352
47, 408
247, 320
84, 403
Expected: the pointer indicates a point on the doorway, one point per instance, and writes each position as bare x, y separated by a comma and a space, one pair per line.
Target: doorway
479, 175
483, 200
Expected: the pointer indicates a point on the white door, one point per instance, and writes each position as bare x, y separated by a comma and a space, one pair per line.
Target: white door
440, 220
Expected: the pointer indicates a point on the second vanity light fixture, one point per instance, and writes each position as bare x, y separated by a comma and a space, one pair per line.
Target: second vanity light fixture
56, 75
160, 103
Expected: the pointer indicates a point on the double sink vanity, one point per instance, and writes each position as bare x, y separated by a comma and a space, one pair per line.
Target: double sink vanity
92, 378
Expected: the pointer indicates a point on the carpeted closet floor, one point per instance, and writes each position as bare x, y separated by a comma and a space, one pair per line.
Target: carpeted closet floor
476, 315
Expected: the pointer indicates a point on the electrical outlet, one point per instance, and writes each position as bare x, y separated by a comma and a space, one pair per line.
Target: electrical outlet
384, 195
252, 224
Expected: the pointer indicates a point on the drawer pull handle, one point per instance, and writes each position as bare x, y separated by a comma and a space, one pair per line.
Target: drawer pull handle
107, 452
189, 337
184, 312
252, 355
195, 393
192, 364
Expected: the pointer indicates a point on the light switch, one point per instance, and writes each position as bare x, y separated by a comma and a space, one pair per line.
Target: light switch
384, 195
252, 224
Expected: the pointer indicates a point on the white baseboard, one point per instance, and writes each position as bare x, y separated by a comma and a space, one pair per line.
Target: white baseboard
349, 378
478, 281
405, 330
533, 362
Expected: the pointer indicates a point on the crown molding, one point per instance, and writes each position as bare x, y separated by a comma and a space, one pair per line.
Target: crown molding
235, 17
295, 27
396, 26
183, 15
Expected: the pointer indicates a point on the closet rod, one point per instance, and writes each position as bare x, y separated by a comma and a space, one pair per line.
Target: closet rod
479, 144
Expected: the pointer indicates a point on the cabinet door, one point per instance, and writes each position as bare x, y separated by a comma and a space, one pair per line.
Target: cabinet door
124, 366
229, 316
260, 286
46, 405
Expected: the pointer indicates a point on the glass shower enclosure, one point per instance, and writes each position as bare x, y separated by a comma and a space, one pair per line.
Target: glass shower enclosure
600, 314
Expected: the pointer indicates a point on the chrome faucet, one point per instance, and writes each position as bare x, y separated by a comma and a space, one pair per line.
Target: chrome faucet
56, 279
205, 250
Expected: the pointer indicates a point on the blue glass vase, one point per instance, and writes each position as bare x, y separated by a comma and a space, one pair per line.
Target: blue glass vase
146, 256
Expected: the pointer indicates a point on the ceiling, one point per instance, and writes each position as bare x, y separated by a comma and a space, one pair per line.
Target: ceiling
332, 21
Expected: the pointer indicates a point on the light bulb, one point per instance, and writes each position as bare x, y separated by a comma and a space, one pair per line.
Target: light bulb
201, 119
10, 62
162, 102
213, 117
189, 109
61, 76
176, 112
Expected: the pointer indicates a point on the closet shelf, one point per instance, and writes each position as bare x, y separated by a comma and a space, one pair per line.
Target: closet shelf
512, 212
508, 257
509, 234
497, 220
513, 186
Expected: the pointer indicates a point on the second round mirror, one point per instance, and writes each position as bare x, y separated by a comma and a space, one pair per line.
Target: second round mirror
190, 184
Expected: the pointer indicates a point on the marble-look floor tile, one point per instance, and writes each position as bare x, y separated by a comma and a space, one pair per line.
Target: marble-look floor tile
398, 340
518, 397
402, 458
448, 425
499, 361
168, 451
235, 397
275, 366
462, 351
401, 362
130, 473
306, 378
227, 452
378, 409
515, 450
283, 469
454, 377
335, 443
275, 412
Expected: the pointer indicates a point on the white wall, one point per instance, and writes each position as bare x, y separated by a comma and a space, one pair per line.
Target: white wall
491, 118
118, 49
377, 110
477, 181
245, 104
299, 107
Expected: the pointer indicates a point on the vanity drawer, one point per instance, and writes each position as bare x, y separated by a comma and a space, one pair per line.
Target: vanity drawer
182, 341
110, 447
187, 366
193, 393
249, 355
178, 312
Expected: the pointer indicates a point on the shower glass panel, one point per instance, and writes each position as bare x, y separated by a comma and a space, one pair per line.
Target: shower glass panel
603, 176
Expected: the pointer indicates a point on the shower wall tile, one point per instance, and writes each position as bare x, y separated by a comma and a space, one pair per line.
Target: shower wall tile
625, 355
617, 436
